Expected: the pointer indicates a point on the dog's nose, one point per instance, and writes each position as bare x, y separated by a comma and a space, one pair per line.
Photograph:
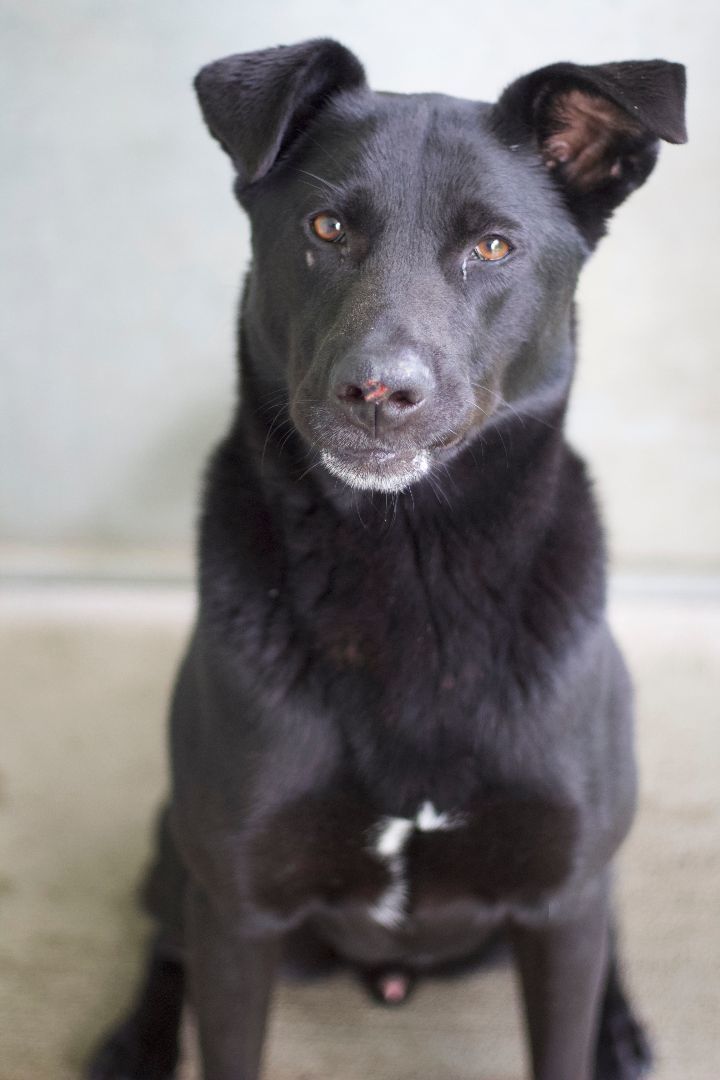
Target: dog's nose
382, 396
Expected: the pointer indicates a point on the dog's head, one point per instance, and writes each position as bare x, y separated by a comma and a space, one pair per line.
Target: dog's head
415, 256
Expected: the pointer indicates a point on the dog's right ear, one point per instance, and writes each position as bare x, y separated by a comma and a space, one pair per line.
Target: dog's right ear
256, 104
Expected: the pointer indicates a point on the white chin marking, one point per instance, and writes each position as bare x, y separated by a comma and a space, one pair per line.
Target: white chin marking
392, 475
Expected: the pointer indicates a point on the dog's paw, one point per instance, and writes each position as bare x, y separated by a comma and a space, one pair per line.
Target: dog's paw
124, 1055
623, 1048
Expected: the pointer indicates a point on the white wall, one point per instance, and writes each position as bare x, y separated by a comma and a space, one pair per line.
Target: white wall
123, 254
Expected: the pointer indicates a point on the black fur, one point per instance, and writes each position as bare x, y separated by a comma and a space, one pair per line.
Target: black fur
434, 632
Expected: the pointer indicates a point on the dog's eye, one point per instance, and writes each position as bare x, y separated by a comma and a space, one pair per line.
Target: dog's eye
327, 227
492, 248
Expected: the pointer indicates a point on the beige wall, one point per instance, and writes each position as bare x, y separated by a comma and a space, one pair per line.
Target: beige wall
123, 252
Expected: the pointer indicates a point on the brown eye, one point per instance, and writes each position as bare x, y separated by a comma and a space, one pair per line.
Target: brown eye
492, 249
327, 227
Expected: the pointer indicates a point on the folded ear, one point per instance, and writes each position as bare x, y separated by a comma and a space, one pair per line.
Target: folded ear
255, 104
596, 128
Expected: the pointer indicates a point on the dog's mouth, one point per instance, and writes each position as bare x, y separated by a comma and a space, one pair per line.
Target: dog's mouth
376, 469
392, 462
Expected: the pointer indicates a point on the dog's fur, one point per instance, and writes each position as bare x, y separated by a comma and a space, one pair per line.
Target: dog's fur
402, 726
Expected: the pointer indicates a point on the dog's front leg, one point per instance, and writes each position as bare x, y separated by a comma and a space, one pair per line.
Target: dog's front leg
562, 967
231, 978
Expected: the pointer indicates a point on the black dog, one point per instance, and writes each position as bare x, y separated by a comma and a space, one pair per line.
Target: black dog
402, 725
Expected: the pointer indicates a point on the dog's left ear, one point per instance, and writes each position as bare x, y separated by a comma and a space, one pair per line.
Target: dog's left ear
596, 128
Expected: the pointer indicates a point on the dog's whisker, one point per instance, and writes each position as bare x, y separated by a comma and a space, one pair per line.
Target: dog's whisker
309, 469
327, 183
271, 404
502, 400
434, 488
440, 493
522, 416
315, 187
276, 425
279, 392
286, 438
322, 149
449, 476
504, 446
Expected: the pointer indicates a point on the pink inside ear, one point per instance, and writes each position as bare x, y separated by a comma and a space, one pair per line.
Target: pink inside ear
585, 132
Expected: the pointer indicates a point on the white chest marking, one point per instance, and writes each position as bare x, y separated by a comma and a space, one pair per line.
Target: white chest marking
427, 819
389, 844
393, 835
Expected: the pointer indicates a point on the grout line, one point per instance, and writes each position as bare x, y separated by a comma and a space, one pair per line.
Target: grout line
77, 603
623, 582
78, 599
59, 579
701, 587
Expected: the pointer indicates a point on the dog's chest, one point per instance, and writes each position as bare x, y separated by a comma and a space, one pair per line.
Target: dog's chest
335, 851
415, 629
413, 651
372, 603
